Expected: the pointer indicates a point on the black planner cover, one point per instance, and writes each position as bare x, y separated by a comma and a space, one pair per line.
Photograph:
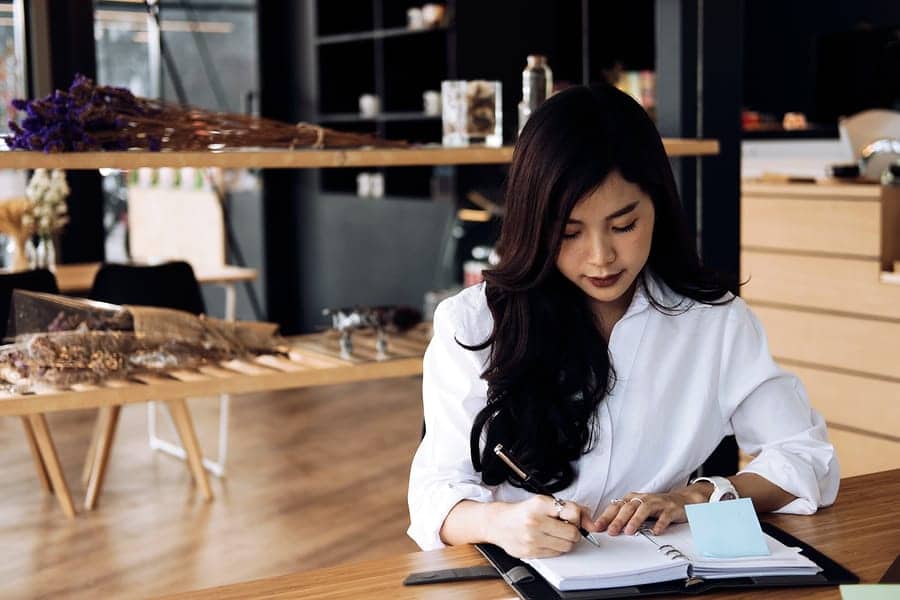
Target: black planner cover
529, 585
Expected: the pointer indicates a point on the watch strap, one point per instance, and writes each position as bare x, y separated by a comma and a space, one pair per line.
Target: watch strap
723, 489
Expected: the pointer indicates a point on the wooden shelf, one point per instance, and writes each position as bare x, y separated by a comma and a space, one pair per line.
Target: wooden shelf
374, 35
296, 159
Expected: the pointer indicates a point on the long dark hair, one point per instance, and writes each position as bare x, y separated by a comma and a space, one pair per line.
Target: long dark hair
549, 367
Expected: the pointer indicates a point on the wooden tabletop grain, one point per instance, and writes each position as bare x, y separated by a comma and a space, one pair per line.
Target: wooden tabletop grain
861, 531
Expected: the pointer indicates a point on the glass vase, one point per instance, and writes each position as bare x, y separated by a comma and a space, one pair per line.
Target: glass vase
45, 254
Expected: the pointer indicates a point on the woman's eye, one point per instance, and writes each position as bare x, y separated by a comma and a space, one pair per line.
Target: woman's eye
627, 228
568, 235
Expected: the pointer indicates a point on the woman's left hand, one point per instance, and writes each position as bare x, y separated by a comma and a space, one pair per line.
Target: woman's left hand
626, 515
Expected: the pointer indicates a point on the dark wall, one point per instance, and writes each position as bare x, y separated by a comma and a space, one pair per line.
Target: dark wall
783, 42
70, 28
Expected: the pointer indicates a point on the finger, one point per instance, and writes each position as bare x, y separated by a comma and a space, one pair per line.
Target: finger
559, 544
645, 509
662, 521
625, 513
562, 530
570, 512
586, 521
606, 517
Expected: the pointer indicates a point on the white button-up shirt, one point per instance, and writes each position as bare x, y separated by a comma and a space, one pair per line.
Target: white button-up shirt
683, 382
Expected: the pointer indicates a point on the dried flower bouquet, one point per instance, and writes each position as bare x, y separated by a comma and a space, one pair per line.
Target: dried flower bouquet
94, 117
62, 341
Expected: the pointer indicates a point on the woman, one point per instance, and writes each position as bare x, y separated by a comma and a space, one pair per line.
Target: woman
603, 357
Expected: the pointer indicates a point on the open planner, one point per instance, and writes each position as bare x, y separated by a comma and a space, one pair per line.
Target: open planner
645, 564
647, 558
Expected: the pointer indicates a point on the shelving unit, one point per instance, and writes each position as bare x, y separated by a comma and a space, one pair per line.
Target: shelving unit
373, 52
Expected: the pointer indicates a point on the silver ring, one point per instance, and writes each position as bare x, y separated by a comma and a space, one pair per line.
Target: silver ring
560, 505
636, 499
617, 501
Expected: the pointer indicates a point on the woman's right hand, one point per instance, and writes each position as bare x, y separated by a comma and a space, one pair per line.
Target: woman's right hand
535, 528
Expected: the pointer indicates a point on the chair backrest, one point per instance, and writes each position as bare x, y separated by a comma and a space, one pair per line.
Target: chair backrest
38, 280
168, 285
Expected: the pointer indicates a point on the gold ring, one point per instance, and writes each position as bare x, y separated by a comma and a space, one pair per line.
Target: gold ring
636, 499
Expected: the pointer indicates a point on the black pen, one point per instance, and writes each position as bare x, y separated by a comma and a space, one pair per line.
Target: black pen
537, 486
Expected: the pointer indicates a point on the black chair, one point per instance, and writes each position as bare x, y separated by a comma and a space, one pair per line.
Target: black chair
168, 285
36, 431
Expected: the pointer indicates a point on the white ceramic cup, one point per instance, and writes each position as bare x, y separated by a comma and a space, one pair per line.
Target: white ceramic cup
364, 184
415, 19
431, 102
376, 185
369, 105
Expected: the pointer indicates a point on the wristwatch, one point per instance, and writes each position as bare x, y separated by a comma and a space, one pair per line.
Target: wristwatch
723, 489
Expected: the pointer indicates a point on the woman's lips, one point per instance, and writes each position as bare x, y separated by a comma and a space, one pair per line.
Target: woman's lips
603, 282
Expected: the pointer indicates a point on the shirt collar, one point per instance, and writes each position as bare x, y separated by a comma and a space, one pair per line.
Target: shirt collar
645, 286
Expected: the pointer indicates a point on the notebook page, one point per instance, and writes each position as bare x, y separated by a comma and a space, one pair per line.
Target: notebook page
781, 560
618, 561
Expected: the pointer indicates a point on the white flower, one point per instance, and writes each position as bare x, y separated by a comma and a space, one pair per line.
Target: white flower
38, 185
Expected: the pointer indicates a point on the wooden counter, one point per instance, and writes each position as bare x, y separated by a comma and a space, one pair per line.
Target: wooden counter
297, 159
811, 260
855, 532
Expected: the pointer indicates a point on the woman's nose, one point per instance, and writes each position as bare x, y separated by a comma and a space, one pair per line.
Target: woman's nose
602, 251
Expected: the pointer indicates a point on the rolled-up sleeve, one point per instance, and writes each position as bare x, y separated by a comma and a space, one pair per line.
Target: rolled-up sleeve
770, 415
453, 392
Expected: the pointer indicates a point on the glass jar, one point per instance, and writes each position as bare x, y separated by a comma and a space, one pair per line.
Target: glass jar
472, 113
45, 254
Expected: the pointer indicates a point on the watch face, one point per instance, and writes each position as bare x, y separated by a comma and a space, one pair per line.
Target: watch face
728, 496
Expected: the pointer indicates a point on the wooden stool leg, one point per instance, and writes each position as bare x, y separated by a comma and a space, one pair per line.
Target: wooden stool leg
182, 419
51, 461
92, 449
36, 455
107, 420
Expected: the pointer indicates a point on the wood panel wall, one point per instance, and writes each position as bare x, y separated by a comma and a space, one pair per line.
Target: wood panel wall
811, 260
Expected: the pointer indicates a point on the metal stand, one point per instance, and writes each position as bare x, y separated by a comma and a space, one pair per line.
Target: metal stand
216, 467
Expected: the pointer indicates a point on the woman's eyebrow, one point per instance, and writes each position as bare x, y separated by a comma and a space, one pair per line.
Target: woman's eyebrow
622, 211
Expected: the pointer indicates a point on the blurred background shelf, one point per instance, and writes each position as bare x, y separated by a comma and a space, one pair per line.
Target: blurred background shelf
374, 34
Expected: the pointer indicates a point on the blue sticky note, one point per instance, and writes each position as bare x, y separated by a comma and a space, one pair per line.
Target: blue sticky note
728, 529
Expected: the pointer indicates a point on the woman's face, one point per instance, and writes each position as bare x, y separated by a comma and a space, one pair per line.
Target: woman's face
607, 241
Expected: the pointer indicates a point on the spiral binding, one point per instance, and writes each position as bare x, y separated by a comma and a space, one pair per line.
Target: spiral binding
672, 552
667, 549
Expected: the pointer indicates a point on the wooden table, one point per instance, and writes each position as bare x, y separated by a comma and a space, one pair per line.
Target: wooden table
79, 277
314, 360
861, 531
